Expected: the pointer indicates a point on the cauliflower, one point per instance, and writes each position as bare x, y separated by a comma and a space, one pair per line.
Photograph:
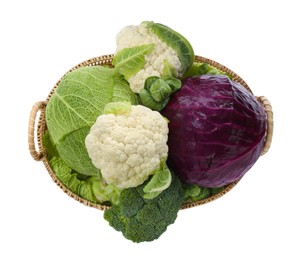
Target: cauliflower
132, 36
127, 143
166, 53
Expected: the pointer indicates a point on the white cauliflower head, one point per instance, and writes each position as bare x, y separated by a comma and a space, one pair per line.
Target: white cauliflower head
163, 52
128, 146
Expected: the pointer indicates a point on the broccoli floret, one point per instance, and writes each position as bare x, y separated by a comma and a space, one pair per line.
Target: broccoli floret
141, 219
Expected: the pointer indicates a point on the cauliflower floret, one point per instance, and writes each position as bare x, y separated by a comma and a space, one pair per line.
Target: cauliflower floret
128, 147
132, 36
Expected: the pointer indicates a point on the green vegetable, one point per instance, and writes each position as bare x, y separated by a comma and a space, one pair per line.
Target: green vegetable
48, 144
194, 192
74, 107
160, 181
169, 70
191, 191
175, 40
157, 91
72, 150
129, 61
199, 68
141, 219
117, 108
105, 192
216, 190
69, 178
204, 193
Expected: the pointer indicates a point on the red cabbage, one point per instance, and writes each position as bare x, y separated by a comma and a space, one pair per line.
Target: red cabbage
216, 130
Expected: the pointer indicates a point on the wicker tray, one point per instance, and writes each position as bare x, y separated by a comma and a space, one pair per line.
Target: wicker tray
38, 109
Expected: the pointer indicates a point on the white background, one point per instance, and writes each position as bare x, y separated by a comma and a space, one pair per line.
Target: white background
41, 40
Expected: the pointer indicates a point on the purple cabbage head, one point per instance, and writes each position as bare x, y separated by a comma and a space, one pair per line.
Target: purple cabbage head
216, 130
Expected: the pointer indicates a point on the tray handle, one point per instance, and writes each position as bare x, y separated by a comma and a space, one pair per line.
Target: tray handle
268, 109
36, 155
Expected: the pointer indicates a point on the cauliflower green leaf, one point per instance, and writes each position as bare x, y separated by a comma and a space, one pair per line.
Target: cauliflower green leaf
117, 108
169, 70
105, 192
129, 61
160, 181
175, 40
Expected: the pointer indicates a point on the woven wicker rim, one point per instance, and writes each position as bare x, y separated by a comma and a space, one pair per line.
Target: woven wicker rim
39, 108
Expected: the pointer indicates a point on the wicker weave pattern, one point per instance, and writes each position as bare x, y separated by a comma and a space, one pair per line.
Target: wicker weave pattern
40, 154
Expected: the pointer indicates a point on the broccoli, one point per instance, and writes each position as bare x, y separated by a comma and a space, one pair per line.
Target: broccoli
142, 219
